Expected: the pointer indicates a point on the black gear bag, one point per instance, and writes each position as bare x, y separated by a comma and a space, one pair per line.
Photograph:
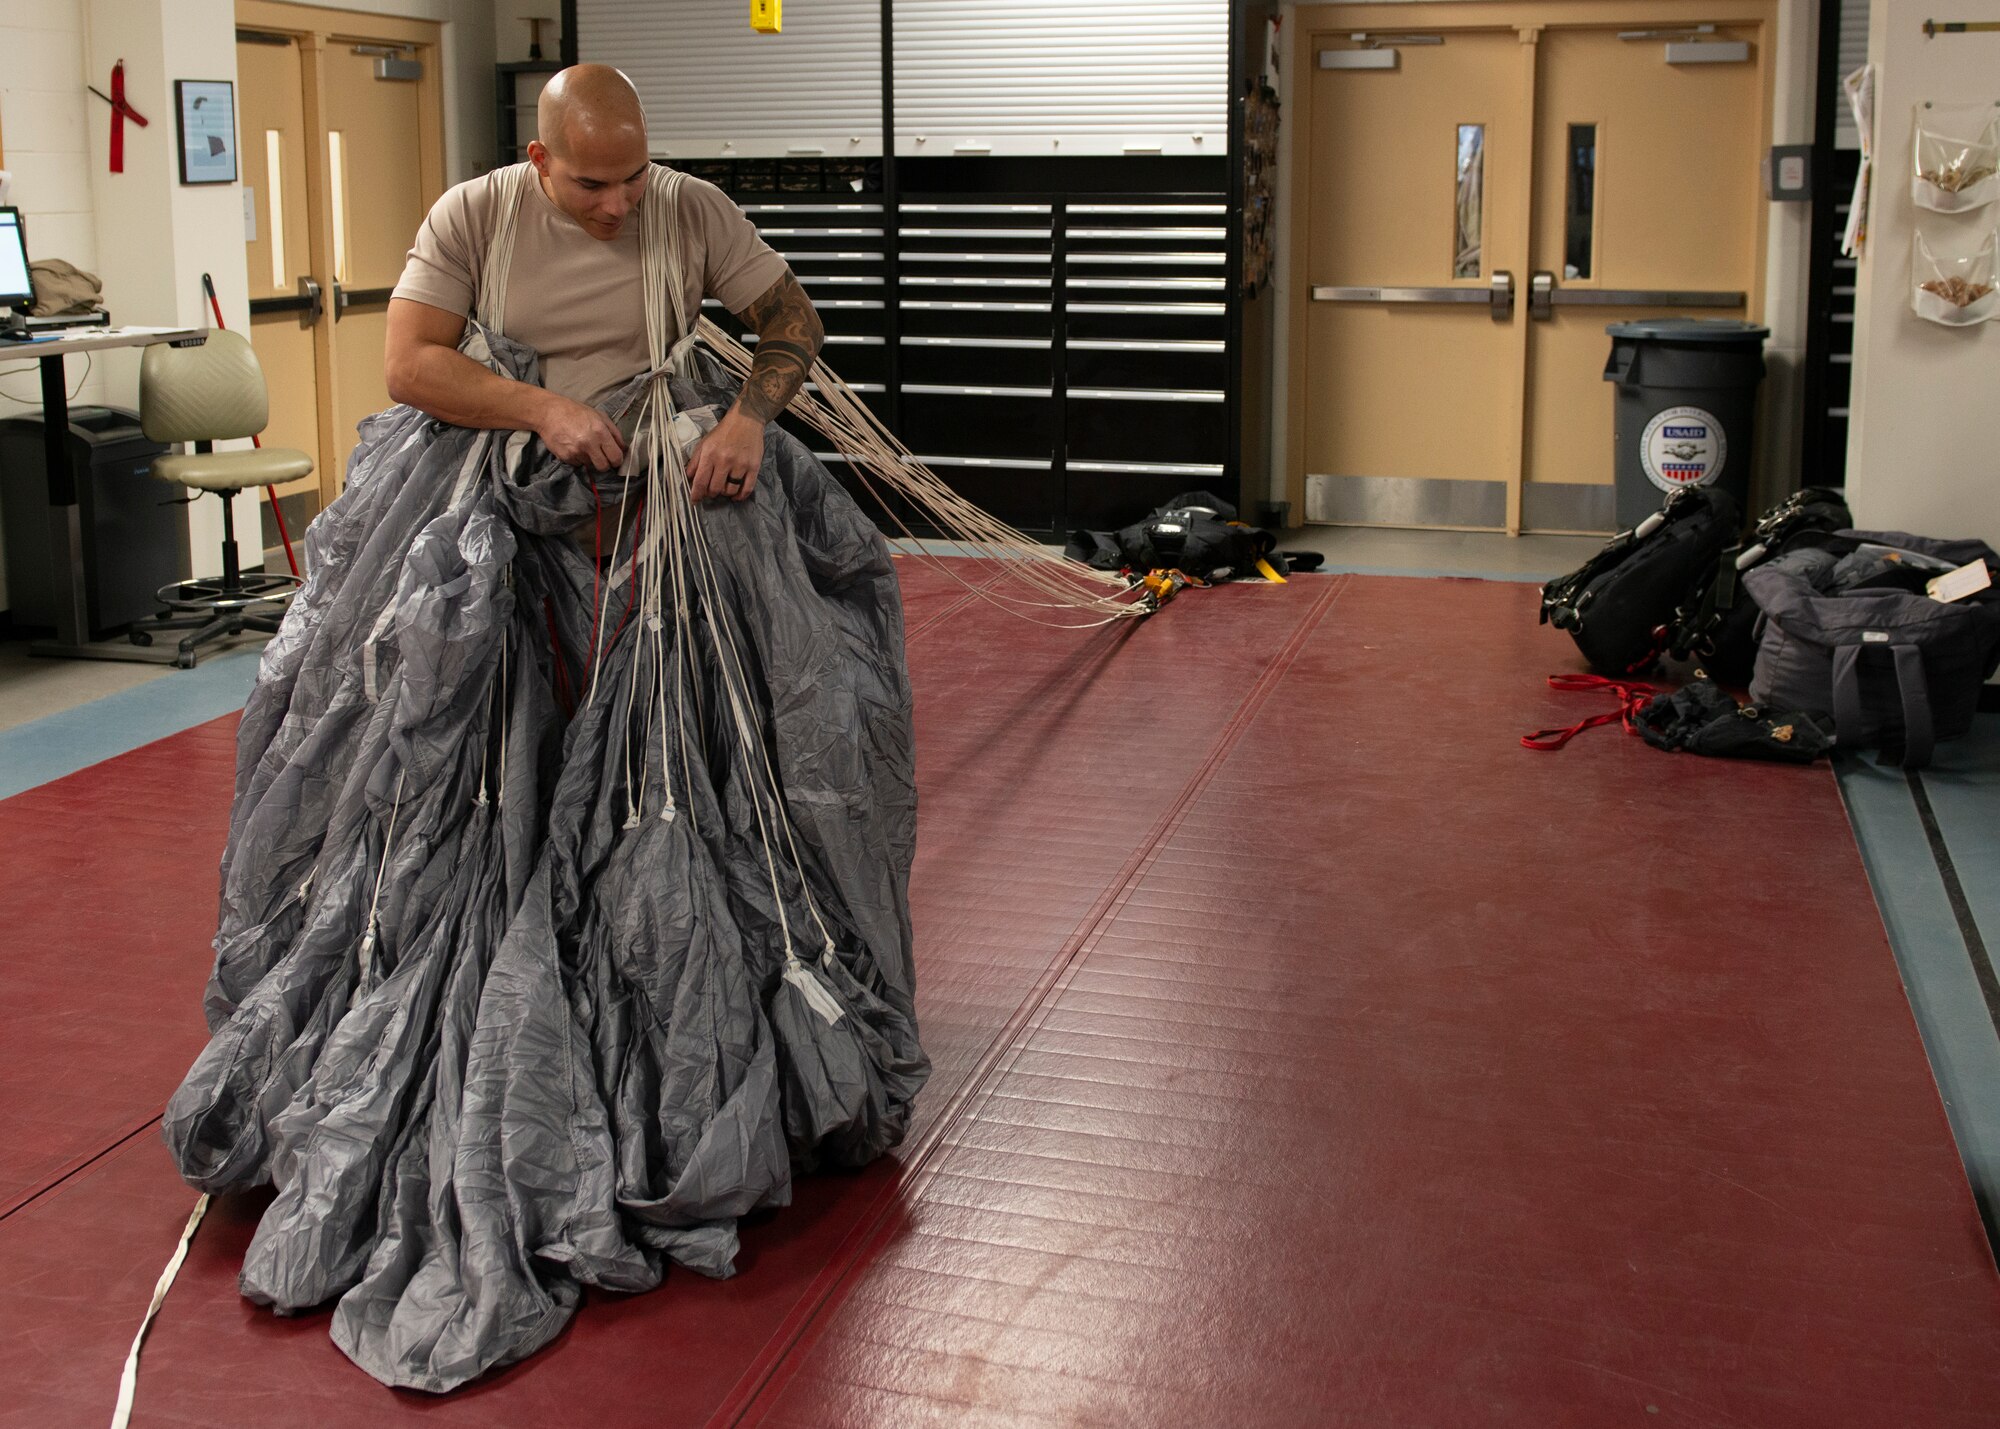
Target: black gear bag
1718, 627
1195, 533
1621, 605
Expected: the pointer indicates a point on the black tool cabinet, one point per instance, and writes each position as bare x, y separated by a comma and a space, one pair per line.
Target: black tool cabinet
1056, 339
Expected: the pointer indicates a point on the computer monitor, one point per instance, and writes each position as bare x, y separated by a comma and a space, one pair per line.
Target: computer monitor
17, 289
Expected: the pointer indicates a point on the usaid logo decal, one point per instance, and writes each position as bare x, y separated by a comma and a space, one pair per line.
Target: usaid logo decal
1683, 446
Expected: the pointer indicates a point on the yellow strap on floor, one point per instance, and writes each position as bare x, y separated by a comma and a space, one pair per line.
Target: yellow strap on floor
1270, 571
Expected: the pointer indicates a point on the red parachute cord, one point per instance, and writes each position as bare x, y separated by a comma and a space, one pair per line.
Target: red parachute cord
562, 686
1633, 696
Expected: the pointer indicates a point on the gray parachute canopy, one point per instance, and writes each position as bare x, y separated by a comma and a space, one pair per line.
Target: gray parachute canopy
537, 970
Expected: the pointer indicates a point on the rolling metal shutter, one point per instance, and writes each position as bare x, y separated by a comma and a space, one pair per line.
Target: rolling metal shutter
713, 89
1853, 54
1060, 77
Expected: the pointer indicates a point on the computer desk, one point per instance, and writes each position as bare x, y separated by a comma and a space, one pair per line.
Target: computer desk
72, 637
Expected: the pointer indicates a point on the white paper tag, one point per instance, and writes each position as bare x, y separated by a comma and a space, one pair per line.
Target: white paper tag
1968, 579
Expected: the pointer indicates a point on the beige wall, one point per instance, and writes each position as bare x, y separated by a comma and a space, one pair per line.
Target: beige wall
1921, 455
145, 234
43, 125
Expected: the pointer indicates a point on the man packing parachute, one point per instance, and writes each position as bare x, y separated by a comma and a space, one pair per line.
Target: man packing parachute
565, 903
564, 906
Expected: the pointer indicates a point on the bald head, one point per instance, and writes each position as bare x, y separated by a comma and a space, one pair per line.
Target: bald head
586, 105
591, 154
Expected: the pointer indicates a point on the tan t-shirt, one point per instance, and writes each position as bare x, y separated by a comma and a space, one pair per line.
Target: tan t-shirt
576, 299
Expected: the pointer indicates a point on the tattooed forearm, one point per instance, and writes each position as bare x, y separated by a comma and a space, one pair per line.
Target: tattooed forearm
789, 337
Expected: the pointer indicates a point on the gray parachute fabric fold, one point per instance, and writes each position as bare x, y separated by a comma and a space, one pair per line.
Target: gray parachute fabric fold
564, 911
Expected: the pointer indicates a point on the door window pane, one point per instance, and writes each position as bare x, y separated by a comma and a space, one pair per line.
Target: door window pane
1470, 204
274, 183
1581, 207
337, 169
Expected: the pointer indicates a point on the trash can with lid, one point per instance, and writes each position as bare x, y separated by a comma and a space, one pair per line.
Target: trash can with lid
1686, 410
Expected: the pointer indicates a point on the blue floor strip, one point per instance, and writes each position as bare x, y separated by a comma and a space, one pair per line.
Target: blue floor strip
60, 744
1964, 788
1938, 967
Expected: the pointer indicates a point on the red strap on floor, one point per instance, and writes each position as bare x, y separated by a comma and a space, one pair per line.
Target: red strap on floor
1633, 696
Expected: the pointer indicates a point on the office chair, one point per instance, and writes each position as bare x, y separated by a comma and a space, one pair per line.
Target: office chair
203, 395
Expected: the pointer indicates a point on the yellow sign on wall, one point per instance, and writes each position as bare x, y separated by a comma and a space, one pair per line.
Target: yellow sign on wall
765, 16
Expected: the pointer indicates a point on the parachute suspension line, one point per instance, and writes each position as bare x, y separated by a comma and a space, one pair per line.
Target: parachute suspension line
600, 626
675, 530
500, 794
1032, 580
365, 979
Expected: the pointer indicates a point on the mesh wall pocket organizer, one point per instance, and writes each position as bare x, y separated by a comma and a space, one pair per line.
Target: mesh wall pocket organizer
1957, 154
1954, 291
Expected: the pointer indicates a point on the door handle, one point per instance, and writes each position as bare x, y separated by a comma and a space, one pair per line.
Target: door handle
1503, 296
1544, 297
345, 298
1647, 298
306, 302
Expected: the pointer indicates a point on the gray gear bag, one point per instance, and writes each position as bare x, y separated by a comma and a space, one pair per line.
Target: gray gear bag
1848, 629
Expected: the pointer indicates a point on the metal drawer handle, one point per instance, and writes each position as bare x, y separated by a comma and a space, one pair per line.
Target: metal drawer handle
1149, 468
1145, 344
1146, 208
930, 305
1177, 310
1042, 233
954, 391
1036, 260
1402, 295
1041, 343
1011, 463
1144, 394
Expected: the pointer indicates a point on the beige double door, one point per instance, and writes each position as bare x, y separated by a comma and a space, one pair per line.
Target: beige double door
1483, 188
342, 157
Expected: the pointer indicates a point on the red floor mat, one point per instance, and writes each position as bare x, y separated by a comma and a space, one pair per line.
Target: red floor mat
1034, 750
104, 953
1538, 1090
1307, 1053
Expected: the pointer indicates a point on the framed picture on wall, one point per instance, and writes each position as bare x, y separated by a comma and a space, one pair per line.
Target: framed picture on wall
205, 111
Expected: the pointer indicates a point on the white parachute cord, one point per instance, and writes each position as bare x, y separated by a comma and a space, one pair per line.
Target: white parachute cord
756, 746
870, 447
687, 562
601, 624
128, 1381
367, 956
735, 684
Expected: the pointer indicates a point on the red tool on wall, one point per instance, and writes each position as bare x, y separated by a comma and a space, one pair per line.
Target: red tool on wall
277, 514
121, 110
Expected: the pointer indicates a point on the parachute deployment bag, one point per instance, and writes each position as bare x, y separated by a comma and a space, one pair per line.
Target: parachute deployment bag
1621, 604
